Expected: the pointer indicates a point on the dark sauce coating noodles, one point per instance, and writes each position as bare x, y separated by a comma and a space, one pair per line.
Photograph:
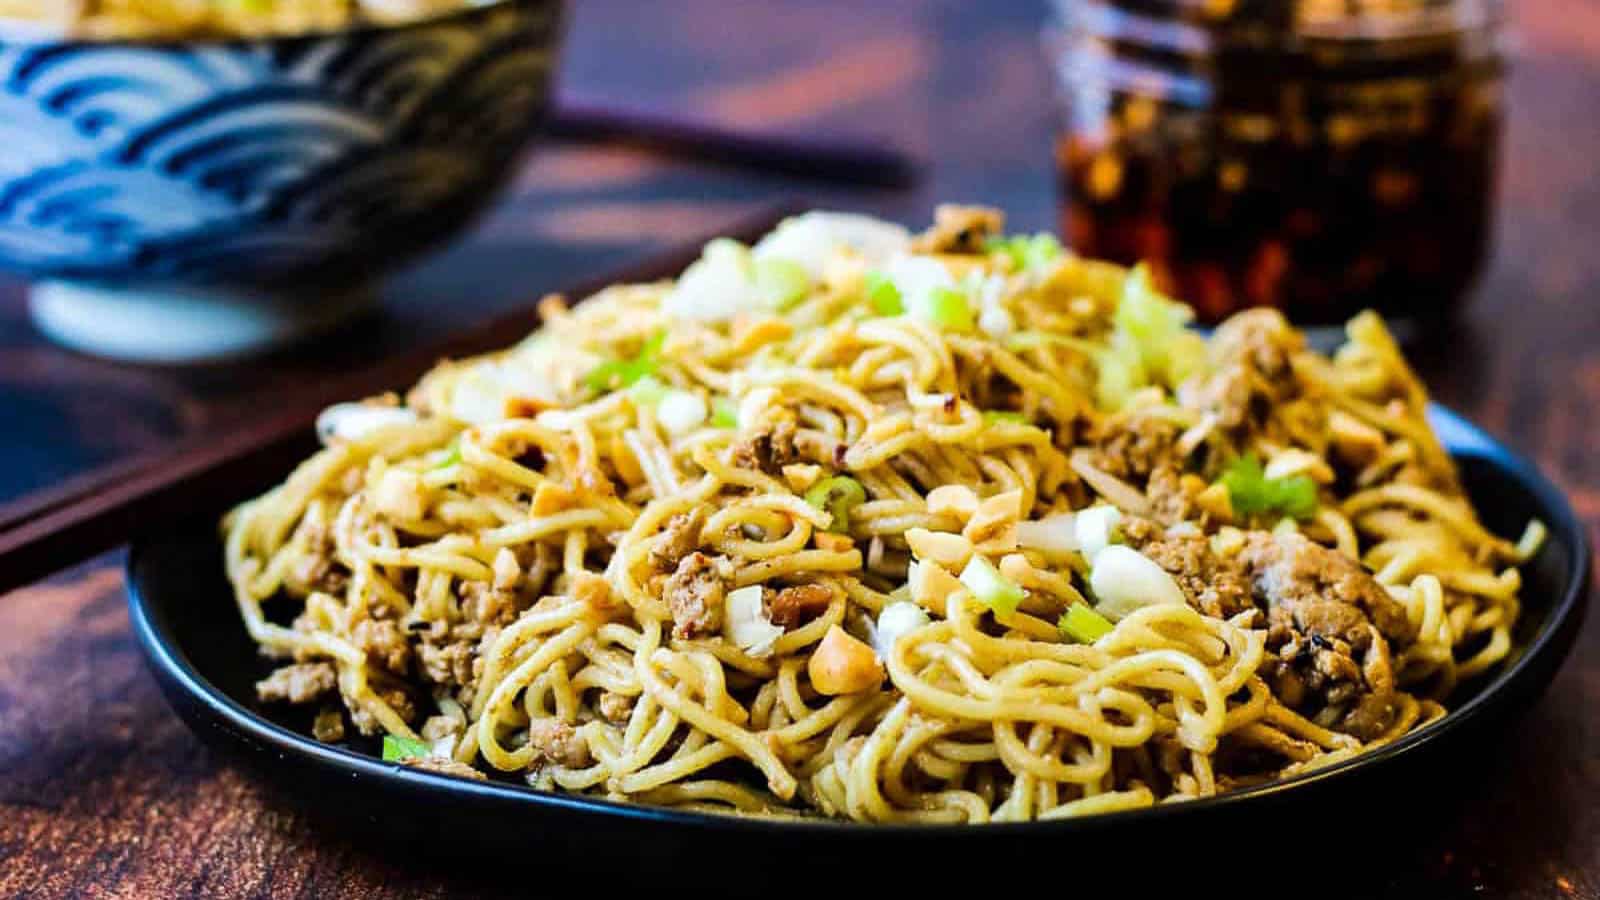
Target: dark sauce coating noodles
946, 529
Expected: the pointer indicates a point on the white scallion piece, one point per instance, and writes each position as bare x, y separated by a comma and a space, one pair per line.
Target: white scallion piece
354, 421
896, 621
1124, 580
748, 625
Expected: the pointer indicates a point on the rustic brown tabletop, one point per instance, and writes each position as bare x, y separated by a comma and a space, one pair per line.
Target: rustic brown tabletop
104, 793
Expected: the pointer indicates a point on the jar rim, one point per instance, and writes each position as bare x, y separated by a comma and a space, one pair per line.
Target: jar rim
1320, 20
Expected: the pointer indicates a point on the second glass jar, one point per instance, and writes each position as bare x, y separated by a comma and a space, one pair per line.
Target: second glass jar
1320, 156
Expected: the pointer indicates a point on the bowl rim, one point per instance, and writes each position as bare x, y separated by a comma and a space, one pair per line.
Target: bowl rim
31, 34
1461, 437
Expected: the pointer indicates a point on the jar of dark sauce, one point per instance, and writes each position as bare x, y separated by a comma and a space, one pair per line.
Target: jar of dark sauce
1320, 156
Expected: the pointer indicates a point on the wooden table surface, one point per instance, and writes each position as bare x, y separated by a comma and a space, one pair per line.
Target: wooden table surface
104, 793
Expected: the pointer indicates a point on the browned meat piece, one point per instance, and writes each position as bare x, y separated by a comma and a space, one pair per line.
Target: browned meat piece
299, 683
397, 699
1172, 496
385, 644
770, 448
436, 727
1253, 379
558, 742
796, 605
449, 663
616, 708
482, 602
1216, 585
960, 229
695, 594
1330, 624
445, 767
1134, 448
1322, 590
677, 540
328, 726
317, 569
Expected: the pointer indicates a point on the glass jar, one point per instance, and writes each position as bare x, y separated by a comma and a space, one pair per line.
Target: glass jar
1320, 156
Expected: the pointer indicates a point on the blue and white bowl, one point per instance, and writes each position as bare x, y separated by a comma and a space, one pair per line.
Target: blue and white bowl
177, 200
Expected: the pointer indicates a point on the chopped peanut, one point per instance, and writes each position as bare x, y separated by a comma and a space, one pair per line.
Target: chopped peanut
843, 665
1356, 442
993, 526
827, 540
525, 407
1295, 461
1217, 501
1228, 541
595, 592
627, 466
953, 499
1014, 567
801, 476
506, 570
750, 332
931, 585
949, 550
552, 498
400, 495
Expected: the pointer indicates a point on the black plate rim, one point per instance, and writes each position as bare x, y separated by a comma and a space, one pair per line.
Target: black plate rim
1463, 438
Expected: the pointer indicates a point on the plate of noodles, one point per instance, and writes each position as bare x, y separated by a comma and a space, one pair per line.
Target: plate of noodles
856, 537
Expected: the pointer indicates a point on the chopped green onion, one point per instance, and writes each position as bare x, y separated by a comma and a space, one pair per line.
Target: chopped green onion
724, 413
883, 295
648, 391
991, 589
1251, 492
996, 416
452, 455
1027, 253
781, 282
1084, 625
621, 373
948, 309
1027, 340
400, 749
837, 496
732, 250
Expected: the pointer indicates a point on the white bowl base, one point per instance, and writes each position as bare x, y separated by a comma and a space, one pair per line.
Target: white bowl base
169, 324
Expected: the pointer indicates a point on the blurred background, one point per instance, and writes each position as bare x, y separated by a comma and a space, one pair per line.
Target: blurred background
972, 95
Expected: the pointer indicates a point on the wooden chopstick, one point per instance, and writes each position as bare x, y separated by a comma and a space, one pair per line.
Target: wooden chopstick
86, 516
819, 158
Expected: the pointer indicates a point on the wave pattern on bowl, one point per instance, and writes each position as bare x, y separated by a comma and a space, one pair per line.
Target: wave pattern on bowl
262, 159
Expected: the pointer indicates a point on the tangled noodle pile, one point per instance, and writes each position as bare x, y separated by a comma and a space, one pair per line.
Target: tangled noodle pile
954, 527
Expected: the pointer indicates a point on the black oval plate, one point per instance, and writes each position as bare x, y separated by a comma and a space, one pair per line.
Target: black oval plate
190, 632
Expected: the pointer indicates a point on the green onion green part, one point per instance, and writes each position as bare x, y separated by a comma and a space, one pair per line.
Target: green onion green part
621, 373
1252, 493
452, 455
991, 589
883, 295
948, 309
837, 496
1084, 625
724, 413
1027, 254
648, 391
400, 749
781, 282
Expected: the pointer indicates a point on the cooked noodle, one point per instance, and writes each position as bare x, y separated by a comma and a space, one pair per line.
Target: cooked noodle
535, 567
